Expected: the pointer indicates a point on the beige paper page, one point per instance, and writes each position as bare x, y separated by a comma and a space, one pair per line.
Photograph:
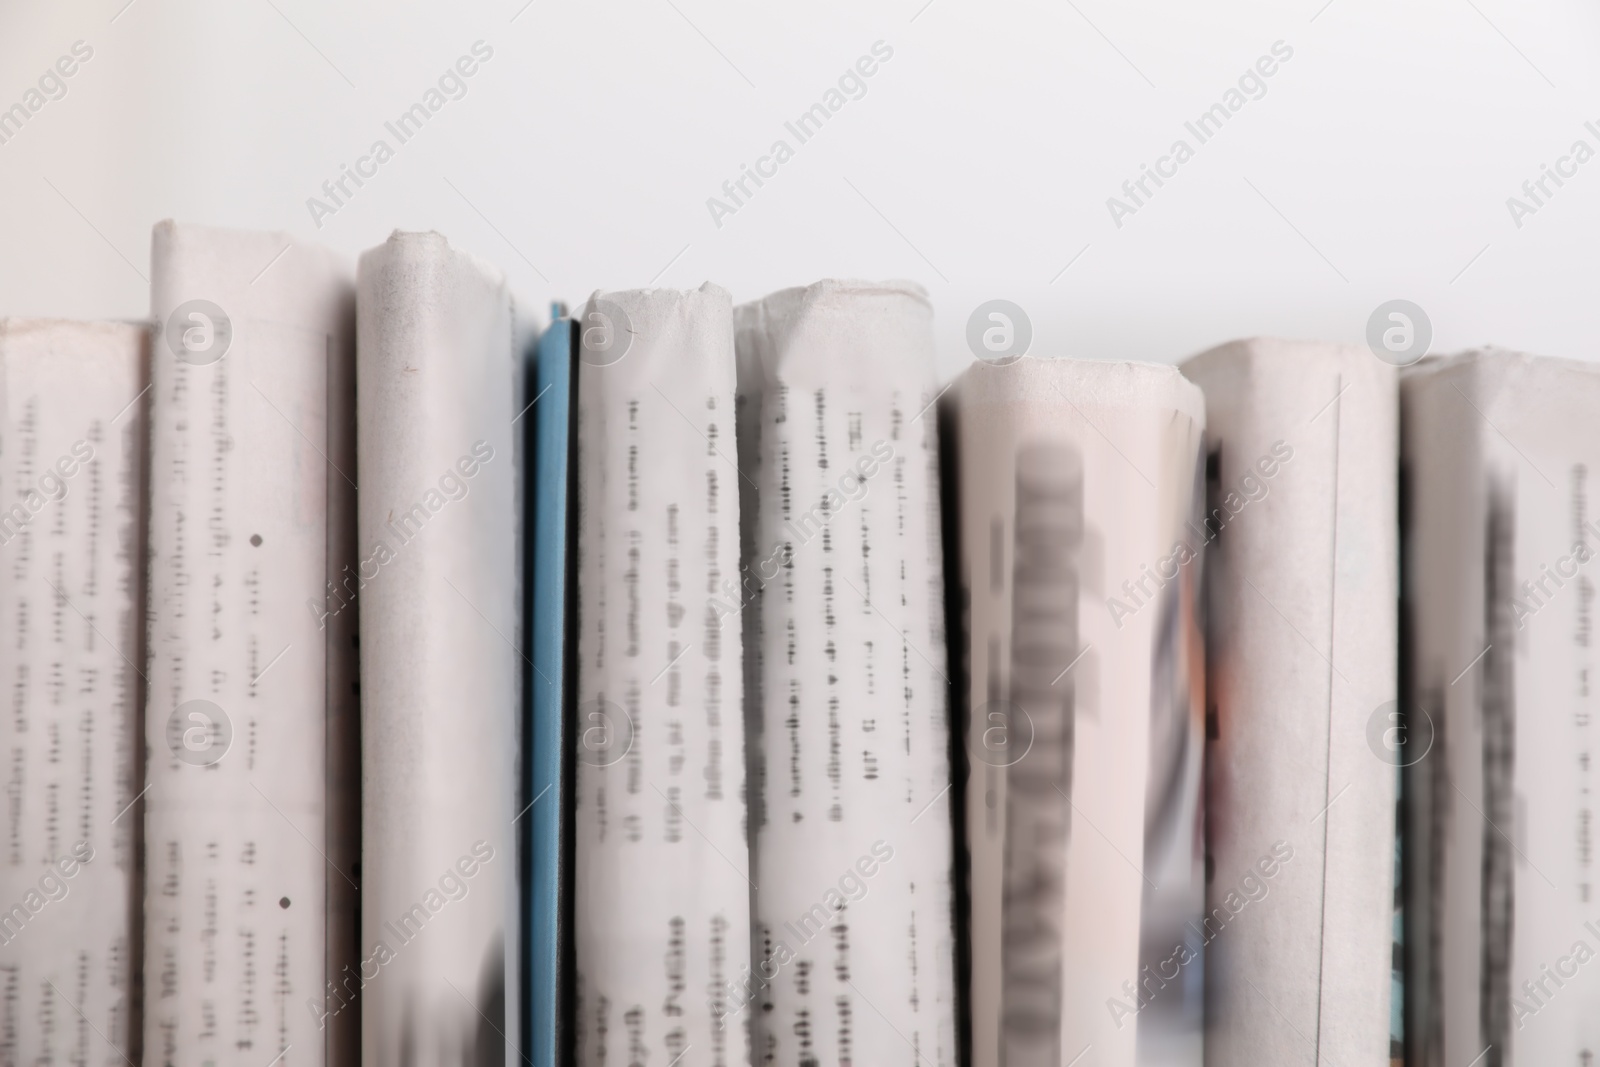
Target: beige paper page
252, 329
662, 888
1083, 816
437, 583
854, 944
1499, 455
1302, 543
72, 436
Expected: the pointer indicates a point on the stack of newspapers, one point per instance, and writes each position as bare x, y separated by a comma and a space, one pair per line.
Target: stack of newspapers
394, 678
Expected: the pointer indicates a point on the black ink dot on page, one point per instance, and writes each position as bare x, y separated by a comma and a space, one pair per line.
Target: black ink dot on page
255, 539
283, 902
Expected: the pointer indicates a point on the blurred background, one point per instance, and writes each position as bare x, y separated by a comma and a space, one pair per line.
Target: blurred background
1375, 163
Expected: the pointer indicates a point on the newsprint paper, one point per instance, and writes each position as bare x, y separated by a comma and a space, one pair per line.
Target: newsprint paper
72, 434
249, 421
662, 886
1500, 457
1302, 578
438, 589
1079, 486
848, 678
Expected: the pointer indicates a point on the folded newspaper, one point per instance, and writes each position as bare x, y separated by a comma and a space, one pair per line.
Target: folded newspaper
441, 667
662, 881
72, 433
247, 416
848, 700
1301, 538
1498, 452
1079, 490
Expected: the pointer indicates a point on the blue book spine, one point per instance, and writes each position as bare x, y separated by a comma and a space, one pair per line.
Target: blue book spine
550, 750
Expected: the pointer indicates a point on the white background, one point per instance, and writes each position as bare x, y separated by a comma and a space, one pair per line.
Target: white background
979, 162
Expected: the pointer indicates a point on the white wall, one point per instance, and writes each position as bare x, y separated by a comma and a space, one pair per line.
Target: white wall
989, 143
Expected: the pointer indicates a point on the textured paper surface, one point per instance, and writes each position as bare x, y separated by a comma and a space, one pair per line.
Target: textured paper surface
1083, 816
441, 667
71, 568
662, 894
1302, 558
853, 942
237, 842
1499, 459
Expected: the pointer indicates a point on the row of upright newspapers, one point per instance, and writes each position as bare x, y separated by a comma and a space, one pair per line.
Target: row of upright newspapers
392, 680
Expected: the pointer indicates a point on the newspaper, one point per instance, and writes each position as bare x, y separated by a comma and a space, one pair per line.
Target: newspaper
1301, 538
1084, 699
247, 414
662, 877
1499, 460
848, 698
441, 664
71, 552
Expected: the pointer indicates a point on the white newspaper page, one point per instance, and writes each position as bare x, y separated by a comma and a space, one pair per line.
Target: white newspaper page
250, 326
1500, 459
1301, 541
843, 586
1084, 711
71, 565
662, 882
438, 586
